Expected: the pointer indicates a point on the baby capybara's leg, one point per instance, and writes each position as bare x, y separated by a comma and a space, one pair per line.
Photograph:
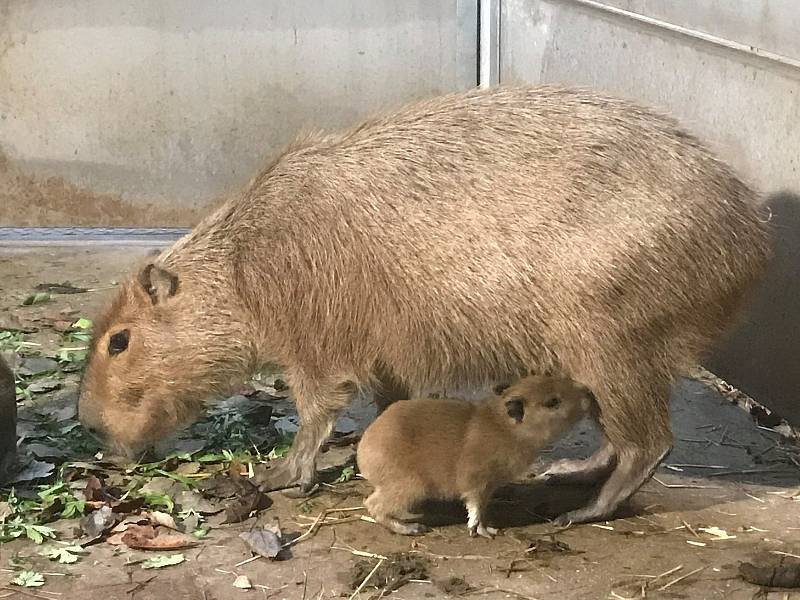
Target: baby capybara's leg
476, 502
635, 419
317, 406
386, 504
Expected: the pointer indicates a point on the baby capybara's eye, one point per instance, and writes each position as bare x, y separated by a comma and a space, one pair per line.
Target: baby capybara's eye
118, 342
515, 408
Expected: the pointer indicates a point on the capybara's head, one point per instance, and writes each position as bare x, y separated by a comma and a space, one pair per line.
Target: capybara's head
545, 406
156, 354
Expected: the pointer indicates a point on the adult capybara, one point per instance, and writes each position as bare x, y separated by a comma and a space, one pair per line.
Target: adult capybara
462, 240
448, 448
8, 421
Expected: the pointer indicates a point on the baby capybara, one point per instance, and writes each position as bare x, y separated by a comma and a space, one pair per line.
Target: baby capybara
456, 242
447, 448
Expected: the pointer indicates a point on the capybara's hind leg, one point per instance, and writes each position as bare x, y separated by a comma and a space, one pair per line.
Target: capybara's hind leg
635, 420
386, 506
584, 470
317, 407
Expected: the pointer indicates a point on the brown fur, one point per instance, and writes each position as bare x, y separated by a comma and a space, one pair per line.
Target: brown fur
446, 449
459, 241
8, 421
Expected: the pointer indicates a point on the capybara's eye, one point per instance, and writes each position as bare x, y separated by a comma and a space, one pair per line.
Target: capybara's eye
553, 402
118, 342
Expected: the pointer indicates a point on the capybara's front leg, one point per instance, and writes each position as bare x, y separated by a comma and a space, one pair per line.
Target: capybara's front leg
582, 471
317, 406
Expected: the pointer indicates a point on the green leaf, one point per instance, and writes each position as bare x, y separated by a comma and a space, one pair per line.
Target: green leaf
28, 579
163, 560
282, 448
37, 298
153, 500
200, 533
71, 355
52, 491
73, 507
37, 533
79, 336
82, 323
66, 555
180, 478
347, 474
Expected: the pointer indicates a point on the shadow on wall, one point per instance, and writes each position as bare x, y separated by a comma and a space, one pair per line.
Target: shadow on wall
760, 357
28, 200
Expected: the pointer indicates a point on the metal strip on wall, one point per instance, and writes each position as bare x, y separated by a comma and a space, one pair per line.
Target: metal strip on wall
751, 51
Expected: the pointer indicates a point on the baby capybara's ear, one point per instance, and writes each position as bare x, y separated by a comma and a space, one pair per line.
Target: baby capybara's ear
515, 409
159, 283
500, 388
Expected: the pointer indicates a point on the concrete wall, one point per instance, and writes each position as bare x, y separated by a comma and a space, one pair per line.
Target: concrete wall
178, 101
747, 106
731, 72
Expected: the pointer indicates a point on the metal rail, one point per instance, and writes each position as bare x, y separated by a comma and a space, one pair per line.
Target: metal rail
753, 51
88, 236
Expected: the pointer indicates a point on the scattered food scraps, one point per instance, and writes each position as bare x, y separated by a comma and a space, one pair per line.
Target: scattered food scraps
717, 533
454, 586
66, 554
395, 572
28, 579
161, 518
549, 546
163, 560
34, 469
60, 288
265, 541
37, 298
145, 538
36, 365
772, 571
98, 522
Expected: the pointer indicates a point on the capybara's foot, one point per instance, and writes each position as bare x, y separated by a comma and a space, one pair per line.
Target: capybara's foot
581, 471
276, 478
481, 530
407, 516
632, 469
588, 514
405, 528
301, 491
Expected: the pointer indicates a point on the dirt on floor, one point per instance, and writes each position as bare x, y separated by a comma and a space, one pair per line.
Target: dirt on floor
720, 513
32, 200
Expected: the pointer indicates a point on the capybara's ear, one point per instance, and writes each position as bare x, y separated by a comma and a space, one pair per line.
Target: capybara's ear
515, 409
589, 400
159, 283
